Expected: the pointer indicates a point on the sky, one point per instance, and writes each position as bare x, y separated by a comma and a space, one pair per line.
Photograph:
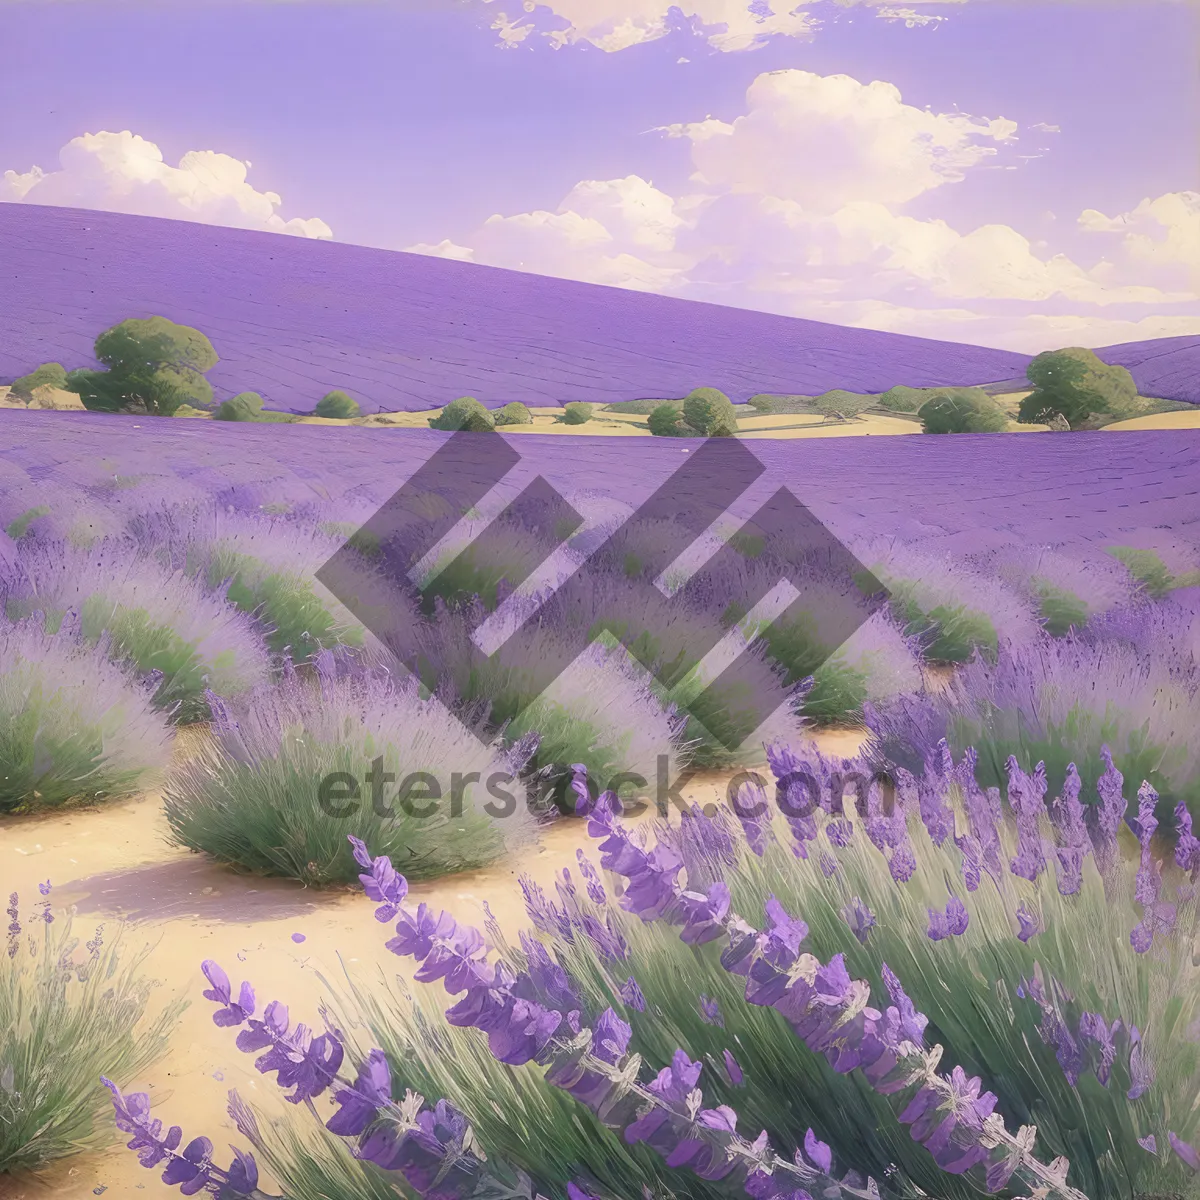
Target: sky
1014, 174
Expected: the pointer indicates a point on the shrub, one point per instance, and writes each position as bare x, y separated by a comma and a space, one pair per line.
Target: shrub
639, 407
66, 1018
839, 403
576, 413
151, 618
245, 406
1068, 591
338, 406
464, 413
292, 770
514, 413
54, 511
1150, 572
48, 374
963, 410
1059, 701
1075, 384
709, 413
154, 366
667, 420
904, 399
950, 609
74, 727
859, 1022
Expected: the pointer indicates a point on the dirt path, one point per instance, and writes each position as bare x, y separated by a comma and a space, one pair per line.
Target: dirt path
116, 861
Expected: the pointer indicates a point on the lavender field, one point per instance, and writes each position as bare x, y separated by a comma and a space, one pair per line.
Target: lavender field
852, 955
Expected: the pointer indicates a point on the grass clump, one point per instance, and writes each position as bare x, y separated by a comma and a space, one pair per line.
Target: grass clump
75, 727
66, 1018
464, 413
577, 412
513, 413
290, 774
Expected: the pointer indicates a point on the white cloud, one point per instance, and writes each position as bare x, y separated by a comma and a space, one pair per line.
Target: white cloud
726, 25
1158, 240
121, 172
443, 249
825, 140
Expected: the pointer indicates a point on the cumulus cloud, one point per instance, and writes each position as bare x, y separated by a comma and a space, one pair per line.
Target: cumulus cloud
121, 172
824, 140
798, 207
1158, 240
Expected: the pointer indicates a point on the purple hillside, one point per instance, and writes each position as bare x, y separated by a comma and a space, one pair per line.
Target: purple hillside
293, 319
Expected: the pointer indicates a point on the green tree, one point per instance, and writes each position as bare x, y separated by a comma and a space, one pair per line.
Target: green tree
666, 420
577, 413
839, 403
514, 413
153, 365
245, 406
709, 413
52, 374
762, 403
963, 410
338, 406
1077, 385
464, 413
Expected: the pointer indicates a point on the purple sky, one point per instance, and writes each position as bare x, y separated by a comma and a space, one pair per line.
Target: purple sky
397, 124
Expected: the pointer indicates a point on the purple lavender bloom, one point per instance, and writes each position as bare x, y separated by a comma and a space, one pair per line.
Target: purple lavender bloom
1026, 796
192, 1169
1141, 1069
817, 1153
912, 1023
595, 888
1029, 921
860, 919
704, 915
606, 937
752, 810
544, 913
1185, 1150
937, 817
736, 1076
1187, 850
1110, 812
952, 922
1149, 1143
710, 1011
1094, 1028
631, 995
359, 1105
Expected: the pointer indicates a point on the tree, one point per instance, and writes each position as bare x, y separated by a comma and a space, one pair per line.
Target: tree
1077, 385
709, 413
666, 420
48, 374
245, 406
838, 403
464, 413
154, 366
963, 410
577, 413
514, 413
762, 403
338, 406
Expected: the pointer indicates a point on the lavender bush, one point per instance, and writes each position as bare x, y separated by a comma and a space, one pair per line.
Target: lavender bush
1068, 591
66, 1014
910, 942
74, 726
1060, 700
254, 798
156, 620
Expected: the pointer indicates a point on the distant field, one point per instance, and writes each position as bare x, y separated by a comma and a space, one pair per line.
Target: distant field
1167, 420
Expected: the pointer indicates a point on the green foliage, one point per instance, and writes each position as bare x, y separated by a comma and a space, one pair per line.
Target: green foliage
51, 374
842, 403
299, 622
762, 403
963, 410
1075, 384
667, 420
464, 413
769, 404
153, 365
65, 1020
1151, 572
709, 413
576, 413
1060, 610
245, 406
18, 527
513, 413
338, 406
948, 633
641, 408
904, 399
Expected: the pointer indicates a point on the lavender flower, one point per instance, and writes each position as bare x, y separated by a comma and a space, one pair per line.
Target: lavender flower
710, 1012
1029, 921
860, 919
952, 922
631, 995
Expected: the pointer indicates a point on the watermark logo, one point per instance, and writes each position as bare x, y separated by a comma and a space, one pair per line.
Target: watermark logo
617, 589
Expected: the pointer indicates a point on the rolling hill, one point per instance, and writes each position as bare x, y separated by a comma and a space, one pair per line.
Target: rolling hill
292, 319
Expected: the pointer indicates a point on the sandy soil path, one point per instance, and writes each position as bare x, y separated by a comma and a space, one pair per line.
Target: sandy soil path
116, 861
